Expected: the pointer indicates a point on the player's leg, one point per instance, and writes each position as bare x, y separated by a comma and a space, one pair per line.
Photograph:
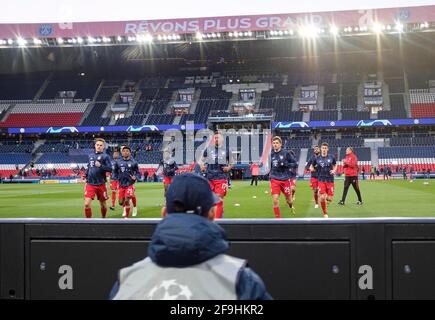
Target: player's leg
121, 200
329, 191
127, 206
164, 212
102, 197
322, 187
288, 193
275, 199
355, 186
220, 188
114, 189
275, 191
347, 182
88, 210
314, 184
89, 196
132, 196
103, 207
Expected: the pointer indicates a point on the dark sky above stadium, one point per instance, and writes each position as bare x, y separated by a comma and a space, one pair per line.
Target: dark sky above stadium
31, 11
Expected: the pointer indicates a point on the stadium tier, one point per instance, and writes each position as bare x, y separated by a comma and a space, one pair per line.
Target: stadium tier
44, 115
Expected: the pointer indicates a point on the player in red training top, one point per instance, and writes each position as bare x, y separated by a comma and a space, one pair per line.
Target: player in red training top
350, 165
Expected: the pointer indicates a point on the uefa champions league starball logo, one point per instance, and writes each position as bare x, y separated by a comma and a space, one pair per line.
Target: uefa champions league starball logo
170, 290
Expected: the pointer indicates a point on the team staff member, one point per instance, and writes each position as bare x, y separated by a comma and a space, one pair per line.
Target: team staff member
351, 172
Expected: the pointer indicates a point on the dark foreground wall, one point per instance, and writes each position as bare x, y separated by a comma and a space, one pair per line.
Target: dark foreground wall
298, 259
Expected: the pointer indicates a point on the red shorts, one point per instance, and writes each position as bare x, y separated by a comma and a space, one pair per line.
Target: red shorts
314, 183
100, 191
293, 183
114, 185
278, 186
219, 187
167, 180
126, 192
326, 187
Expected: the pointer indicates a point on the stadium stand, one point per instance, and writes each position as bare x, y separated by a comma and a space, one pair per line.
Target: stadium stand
46, 115
422, 103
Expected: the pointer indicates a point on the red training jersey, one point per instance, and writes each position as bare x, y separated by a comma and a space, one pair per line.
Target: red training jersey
350, 165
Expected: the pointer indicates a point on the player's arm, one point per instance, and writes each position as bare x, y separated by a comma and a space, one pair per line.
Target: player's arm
308, 165
292, 163
334, 167
160, 165
115, 171
230, 165
106, 165
353, 162
136, 176
312, 165
202, 161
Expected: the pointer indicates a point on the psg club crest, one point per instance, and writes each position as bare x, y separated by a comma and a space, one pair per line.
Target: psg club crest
45, 30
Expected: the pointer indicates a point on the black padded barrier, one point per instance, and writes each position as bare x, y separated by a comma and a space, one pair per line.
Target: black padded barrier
297, 259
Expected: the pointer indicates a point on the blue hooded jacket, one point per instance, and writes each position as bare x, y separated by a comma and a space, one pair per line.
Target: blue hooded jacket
182, 240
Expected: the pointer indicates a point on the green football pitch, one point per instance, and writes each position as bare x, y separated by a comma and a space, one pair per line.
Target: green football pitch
394, 198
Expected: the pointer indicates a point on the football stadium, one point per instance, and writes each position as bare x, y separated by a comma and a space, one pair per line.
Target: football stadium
313, 127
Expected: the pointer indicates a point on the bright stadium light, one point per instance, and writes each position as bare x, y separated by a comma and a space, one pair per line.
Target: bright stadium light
10, 42
79, 40
21, 41
50, 166
119, 38
36, 41
91, 40
199, 36
334, 30
399, 27
308, 31
377, 28
424, 25
60, 41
